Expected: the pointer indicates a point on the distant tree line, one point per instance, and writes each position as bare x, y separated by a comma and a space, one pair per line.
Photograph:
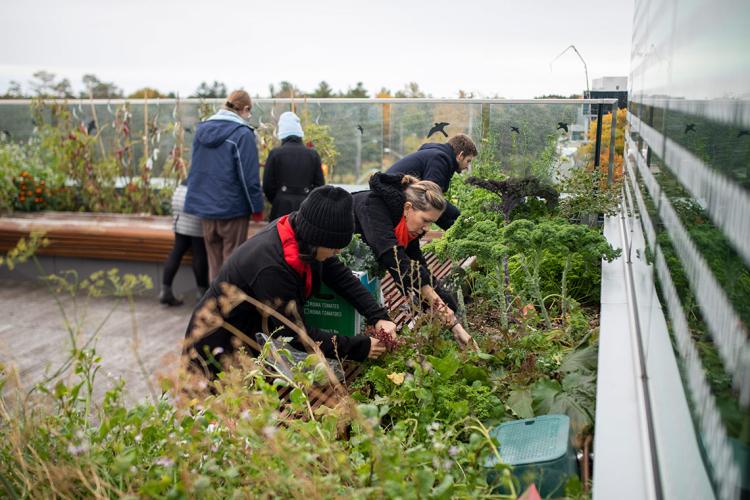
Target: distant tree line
48, 85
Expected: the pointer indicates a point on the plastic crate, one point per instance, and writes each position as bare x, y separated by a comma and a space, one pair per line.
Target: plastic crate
540, 452
328, 311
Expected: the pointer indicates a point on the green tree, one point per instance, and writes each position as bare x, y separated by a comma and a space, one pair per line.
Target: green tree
98, 89
214, 90
411, 90
43, 83
63, 89
359, 91
286, 89
146, 92
15, 91
323, 90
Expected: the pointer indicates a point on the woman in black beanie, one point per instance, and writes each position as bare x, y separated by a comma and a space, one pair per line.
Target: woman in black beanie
282, 266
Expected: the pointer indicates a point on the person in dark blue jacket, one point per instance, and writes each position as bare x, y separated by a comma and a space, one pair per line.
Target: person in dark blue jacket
224, 180
437, 163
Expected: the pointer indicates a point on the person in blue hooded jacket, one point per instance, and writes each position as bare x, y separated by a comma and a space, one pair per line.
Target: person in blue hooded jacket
224, 181
437, 163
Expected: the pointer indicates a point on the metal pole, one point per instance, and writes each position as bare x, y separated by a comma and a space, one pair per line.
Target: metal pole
612, 137
485, 121
598, 137
386, 133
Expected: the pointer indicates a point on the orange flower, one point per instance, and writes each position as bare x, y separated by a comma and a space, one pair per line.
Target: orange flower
38, 190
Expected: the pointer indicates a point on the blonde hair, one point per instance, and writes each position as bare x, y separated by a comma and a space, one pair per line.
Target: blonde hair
423, 195
238, 100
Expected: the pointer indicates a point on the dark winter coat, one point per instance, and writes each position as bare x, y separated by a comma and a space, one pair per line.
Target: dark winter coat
377, 212
224, 180
436, 163
259, 269
292, 170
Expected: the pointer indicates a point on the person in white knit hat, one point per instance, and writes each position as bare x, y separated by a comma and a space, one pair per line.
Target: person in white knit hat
292, 170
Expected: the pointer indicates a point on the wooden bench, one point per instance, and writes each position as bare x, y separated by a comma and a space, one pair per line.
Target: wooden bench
133, 238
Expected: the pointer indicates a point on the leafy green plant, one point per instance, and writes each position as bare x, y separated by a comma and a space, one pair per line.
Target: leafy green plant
357, 256
531, 243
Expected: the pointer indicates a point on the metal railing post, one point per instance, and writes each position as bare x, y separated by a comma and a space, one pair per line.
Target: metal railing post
612, 142
598, 149
485, 121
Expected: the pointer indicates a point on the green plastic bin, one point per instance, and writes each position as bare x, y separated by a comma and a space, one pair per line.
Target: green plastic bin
329, 311
540, 452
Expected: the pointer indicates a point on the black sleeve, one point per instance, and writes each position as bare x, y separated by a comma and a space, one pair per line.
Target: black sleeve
318, 179
414, 251
408, 274
342, 281
333, 346
270, 185
448, 217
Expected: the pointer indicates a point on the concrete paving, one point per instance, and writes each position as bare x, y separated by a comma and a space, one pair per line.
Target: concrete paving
36, 342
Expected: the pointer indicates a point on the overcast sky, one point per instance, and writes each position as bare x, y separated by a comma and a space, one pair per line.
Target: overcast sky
487, 47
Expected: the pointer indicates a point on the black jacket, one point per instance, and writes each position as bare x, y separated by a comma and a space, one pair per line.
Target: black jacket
292, 170
259, 269
377, 212
436, 163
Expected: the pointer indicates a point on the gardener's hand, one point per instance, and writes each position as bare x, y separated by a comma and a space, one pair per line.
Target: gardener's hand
463, 338
387, 326
377, 348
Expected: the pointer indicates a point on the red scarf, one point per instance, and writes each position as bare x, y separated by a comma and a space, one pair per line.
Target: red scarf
402, 233
291, 252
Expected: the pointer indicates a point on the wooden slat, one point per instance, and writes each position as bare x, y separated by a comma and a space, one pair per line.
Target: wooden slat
97, 236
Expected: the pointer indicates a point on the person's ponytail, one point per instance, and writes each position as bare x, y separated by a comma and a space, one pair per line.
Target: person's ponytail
423, 195
238, 100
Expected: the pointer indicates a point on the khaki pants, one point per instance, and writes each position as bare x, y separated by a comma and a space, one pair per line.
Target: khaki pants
222, 236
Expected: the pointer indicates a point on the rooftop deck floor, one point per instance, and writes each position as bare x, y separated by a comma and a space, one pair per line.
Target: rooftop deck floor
34, 340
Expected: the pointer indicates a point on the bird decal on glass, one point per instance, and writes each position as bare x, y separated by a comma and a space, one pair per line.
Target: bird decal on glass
562, 126
690, 127
514, 129
439, 127
361, 130
91, 127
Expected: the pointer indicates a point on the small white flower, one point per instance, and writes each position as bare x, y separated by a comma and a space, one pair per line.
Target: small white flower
453, 451
269, 431
217, 350
138, 438
165, 462
245, 415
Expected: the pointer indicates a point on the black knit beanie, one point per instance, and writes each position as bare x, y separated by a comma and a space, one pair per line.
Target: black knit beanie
325, 218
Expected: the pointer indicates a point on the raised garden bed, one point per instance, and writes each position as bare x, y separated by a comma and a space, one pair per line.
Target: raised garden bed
415, 423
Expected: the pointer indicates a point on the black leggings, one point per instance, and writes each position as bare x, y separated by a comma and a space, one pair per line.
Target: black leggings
200, 261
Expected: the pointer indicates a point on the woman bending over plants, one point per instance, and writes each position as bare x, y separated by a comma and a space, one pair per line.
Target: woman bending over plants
280, 267
391, 218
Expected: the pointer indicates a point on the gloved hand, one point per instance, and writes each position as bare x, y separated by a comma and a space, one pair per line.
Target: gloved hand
257, 217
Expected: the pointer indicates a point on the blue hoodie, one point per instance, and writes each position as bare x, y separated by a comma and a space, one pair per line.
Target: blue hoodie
224, 180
